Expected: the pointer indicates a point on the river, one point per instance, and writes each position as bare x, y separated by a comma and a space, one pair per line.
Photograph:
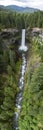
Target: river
19, 96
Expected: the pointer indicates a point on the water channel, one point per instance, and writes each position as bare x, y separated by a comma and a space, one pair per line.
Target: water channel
19, 96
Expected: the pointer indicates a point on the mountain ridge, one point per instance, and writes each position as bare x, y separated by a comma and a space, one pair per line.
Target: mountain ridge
18, 8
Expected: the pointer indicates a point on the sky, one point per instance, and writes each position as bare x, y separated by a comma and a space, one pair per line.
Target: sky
29, 3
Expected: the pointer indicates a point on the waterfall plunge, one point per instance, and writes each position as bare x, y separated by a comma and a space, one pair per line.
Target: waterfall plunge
19, 96
23, 47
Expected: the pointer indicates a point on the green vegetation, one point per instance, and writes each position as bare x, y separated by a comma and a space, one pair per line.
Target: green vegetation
10, 19
9, 72
31, 116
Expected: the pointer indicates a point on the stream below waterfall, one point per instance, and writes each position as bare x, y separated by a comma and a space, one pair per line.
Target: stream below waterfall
23, 48
19, 95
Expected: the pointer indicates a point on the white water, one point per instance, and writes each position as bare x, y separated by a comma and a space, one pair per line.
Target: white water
19, 96
23, 47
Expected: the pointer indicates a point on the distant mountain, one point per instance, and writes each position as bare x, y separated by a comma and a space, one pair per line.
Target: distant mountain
1, 6
18, 8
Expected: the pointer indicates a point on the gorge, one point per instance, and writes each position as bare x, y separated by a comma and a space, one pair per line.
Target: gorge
21, 70
19, 97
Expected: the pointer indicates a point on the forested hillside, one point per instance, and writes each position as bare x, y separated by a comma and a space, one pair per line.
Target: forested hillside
10, 19
9, 72
31, 116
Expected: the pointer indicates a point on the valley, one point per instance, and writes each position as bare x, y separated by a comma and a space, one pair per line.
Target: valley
21, 72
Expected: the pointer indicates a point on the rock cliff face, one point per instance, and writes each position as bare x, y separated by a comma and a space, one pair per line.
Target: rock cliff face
9, 44
10, 39
8, 32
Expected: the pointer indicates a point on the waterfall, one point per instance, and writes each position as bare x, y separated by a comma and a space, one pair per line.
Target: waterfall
23, 38
23, 47
21, 82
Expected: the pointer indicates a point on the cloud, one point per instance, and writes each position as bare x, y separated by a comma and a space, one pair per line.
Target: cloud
36, 3
30, 3
11, 2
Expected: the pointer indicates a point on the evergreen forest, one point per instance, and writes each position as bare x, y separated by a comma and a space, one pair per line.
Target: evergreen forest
31, 115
